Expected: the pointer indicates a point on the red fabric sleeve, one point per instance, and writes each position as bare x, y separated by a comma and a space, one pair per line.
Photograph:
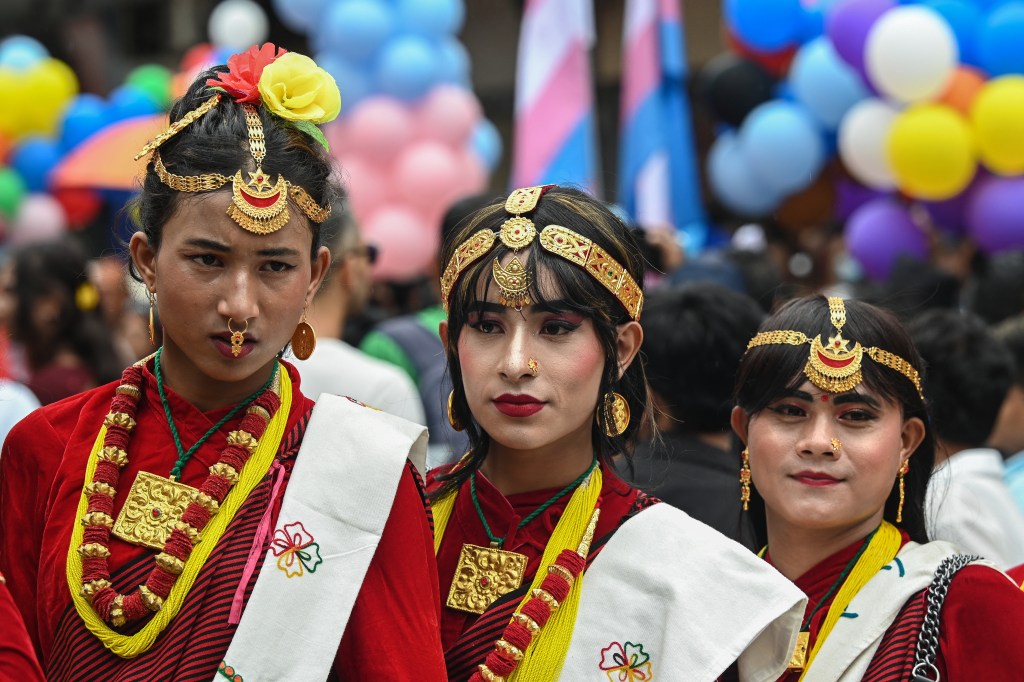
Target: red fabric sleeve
395, 632
1017, 573
17, 655
982, 619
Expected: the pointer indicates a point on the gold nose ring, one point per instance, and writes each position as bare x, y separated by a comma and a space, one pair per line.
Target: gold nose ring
837, 445
534, 367
237, 338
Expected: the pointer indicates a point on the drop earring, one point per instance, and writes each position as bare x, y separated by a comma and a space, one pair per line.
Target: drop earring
303, 339
152, 324
745, 480
904, 468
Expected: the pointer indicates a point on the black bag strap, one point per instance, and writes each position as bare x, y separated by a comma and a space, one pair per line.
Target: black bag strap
928, 640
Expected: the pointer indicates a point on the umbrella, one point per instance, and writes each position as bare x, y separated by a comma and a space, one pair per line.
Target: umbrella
105, 160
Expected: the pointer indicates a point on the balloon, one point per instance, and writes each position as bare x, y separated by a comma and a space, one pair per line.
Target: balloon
234, 25
449, 114
408, 67
733, 182
862, 135
12, 189
994, 218
379, 128
775, 63
880, 233
5, 148
964, 18
21, 52
910, 54
485, 142
128, 101
40, 218
427, 175
432, 18
453, 62
48, 87
962, 88
999, 40
154, 80
356, 29
824, 83
847, 25
997, 117
783, 145
732, 87
765, 24
931, 151
80, 205
34, 159
369, 188
408, 245
86, 114
851, 195
199, 57
950, 215
352, 79
301, 16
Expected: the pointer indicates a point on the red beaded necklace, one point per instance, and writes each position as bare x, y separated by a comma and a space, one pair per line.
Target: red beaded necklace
118, 609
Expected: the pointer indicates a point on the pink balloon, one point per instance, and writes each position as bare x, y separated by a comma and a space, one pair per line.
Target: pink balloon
408, 244
449, 114
427, 175
338, 137
378, 128
473, 174
367, 186
40, 218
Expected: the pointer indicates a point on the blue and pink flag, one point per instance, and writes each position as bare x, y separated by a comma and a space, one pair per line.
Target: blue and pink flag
555, 139
658, 181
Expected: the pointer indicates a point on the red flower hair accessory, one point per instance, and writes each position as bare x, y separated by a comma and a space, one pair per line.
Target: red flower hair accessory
244, 70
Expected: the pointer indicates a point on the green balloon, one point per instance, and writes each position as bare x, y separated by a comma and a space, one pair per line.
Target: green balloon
155, 81
12, 189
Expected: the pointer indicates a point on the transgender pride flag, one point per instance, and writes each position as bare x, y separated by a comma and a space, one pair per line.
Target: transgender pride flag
657, 172
554, 118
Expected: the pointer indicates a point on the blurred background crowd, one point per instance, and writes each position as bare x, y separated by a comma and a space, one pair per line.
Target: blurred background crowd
761, 149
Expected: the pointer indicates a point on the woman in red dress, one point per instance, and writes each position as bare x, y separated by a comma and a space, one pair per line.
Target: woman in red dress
840, 449
144, 524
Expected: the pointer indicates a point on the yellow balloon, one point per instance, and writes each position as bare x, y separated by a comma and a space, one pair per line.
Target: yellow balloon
931, 151
14, 92
51, 84
997, 117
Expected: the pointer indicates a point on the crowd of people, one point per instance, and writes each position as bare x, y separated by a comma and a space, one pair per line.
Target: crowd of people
695, 474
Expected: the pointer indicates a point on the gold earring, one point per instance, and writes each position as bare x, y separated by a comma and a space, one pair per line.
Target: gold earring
452, 419
899, 509
534, 367
237, 338
613, 414
303, 339
745, 479
152, 325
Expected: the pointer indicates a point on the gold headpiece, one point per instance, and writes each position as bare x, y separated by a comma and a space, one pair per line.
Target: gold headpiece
835, 367
517, 233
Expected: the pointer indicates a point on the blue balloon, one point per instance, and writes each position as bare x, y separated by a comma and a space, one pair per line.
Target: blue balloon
433, 18
301, 16
453, 62
352, 79
824, 83
964, 18
485, 141
33, 160
21, 52
407, 68
999, 39
84, 116
356, 29
783, 145
127, 101
766, 25
733, 182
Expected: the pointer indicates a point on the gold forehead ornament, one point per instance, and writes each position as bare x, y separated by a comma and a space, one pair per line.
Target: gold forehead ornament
518, 232
257, 204
835, 367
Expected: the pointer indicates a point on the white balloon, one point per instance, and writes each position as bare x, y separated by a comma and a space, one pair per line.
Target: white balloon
862, 134
237, 25
910, 53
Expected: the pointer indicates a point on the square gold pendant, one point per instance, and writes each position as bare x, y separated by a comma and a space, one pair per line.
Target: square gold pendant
799, 658
483, 575
153, 506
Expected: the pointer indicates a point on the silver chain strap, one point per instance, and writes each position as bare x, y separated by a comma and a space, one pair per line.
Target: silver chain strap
928, 641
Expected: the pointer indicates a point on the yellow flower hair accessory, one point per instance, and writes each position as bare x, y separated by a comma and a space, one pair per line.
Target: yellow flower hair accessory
296, 89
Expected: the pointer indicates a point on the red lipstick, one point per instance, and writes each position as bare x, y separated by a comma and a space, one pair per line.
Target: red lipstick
223, 345
518, 405
815, 479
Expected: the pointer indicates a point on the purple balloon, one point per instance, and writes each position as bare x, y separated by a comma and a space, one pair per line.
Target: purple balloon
994, 217
851, 195
847, 25
880, 233
950, 215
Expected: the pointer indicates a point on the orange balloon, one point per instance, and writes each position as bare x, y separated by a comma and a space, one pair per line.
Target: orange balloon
964, 85
5, 148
